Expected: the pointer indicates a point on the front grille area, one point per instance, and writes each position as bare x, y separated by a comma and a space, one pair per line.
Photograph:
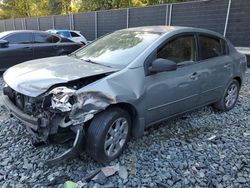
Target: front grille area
28, 105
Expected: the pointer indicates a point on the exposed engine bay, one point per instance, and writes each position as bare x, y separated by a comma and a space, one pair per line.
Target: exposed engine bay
61, 109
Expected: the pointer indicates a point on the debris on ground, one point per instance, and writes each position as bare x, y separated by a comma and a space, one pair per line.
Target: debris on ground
70, 184
247, 133
212, 138
110, 170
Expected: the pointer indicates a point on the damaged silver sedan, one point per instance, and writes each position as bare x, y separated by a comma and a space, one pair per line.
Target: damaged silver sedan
121, 84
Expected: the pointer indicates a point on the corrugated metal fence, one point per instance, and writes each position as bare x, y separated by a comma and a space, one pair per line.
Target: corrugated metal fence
228, 17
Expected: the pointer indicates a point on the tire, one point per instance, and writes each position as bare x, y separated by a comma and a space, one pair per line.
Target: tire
223, 104
248, 60
99, 134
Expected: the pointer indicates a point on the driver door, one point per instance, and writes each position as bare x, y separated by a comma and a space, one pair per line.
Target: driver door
173, 92
19, 50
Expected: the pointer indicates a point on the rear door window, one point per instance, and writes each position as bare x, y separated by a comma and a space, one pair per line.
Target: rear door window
179, 49
45, 38
19, 38
210, 47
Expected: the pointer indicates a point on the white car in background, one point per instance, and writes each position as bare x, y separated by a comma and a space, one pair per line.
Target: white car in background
75, 36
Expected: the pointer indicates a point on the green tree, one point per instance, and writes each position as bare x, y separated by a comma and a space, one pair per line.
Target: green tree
23, 8
28, 8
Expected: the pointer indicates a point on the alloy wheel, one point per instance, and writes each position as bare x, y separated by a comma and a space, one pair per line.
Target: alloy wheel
116, 137
231, 95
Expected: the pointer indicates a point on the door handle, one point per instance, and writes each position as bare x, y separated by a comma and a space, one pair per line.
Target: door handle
27, 47
194, 76
227, 66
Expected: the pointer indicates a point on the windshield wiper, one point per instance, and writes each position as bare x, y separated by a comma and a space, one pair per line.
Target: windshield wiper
93, 62
90, 61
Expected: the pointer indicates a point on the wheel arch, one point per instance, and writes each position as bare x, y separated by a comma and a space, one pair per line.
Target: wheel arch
138, 124
238, 78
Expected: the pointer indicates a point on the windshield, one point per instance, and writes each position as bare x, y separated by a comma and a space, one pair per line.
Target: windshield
117, 49
3, 34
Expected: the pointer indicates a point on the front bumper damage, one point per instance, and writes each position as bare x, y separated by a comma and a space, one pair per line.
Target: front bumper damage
32, 124
53, 118
29, 121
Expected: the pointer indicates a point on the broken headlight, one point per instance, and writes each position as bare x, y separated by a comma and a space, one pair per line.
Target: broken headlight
61, 98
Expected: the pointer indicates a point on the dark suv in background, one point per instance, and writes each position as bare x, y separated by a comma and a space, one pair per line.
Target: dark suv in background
19, 46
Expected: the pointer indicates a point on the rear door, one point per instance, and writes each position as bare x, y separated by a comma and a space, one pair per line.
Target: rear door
217, 67
46, 45
20, 49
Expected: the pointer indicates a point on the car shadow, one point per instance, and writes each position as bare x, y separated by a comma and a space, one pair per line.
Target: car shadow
176, 131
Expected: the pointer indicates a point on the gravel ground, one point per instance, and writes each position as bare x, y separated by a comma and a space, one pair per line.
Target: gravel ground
200, 149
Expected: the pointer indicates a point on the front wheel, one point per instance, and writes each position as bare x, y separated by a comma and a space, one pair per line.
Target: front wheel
108, 134
230, 96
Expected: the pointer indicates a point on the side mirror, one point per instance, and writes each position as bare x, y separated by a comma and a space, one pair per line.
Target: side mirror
4, 43
162, 65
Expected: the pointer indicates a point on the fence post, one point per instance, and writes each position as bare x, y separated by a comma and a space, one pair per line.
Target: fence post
4, 25
127, 17
38, 23
71, 19
53, 22
73, 22
24, 24
96, 25
14, 25
166, 19
70, 26
227, 17
170, 14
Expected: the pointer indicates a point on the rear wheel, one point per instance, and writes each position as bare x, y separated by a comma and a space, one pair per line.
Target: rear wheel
108, 134
230, 96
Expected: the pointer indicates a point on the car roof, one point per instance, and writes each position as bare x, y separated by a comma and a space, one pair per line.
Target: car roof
67, 30
5, 33
23, 31
168, 29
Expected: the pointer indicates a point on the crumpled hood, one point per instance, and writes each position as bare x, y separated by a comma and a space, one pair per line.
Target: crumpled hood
35, 77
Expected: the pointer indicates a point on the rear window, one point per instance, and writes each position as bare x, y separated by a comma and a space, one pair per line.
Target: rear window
210, 47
